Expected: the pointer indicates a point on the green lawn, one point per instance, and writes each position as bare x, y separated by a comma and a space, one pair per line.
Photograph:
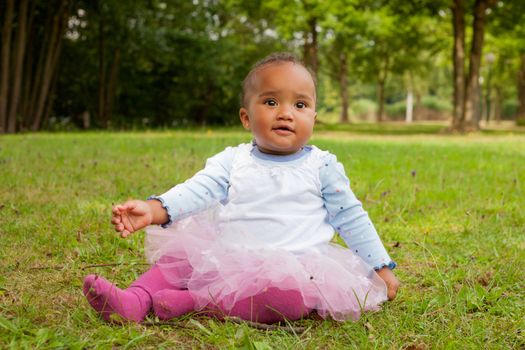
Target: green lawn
450, 210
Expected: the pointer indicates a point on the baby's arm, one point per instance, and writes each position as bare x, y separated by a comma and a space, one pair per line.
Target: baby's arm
392, 283
207, 187
347, 216
134, 215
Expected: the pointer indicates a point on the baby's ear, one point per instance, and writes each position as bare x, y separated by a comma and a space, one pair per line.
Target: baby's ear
245, 120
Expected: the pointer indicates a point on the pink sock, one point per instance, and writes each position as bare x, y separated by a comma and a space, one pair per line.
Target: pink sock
171, 303
131, 304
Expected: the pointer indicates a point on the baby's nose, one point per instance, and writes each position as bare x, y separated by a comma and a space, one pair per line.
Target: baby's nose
285, 112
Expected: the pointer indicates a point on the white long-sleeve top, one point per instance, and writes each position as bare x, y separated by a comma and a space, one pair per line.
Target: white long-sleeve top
342, 210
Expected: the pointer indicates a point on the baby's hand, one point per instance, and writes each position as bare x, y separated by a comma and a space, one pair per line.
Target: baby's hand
131, 216
391, 282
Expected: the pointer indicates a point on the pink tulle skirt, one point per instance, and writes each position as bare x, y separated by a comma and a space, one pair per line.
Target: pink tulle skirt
221, 268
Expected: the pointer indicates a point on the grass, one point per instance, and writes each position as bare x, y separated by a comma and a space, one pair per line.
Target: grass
449, 210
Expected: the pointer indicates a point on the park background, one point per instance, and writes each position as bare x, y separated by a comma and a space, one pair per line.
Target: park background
69, 64
423, 102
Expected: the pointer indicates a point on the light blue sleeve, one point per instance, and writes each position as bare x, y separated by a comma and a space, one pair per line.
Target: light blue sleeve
347, 216
204, 189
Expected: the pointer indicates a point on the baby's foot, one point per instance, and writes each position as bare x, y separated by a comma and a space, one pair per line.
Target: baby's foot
113, 303
170, 303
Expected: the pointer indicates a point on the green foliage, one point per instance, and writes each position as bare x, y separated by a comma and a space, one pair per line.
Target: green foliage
437, 104
509, 109
181, 63
363, 107
396, 110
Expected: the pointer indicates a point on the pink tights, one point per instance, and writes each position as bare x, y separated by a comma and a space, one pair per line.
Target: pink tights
151, 290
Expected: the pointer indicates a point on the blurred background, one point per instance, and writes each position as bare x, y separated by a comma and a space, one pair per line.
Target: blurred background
122, 64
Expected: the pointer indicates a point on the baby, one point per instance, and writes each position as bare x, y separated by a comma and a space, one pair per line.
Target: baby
250, 234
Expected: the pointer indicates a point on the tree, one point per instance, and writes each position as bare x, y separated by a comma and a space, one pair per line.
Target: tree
46, 70
509, 30
299, 21
5, 64
21, 42
342, 26
394, 42
172, 62
25, 84
466, 89
458, 57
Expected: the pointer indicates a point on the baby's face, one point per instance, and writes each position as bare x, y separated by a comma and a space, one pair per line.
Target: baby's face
280, 108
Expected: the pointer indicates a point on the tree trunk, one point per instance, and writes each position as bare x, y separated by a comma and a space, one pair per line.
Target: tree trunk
343, 83
418, 107
112, 85
37, 72
201, 112
521, 91
18, 67
310, 47
381, 82
27, 72
49, 102
101, 74
471, 104
4, 65
488, 98
458, 54
409, 106
52, 56
314, 61
28, 77
498, 104
492, 109
380, 100
86, 119
27, 82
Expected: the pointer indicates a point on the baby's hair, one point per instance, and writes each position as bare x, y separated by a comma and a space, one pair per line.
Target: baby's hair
274, 58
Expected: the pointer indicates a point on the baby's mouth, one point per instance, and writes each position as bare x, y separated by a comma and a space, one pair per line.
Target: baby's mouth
283, 130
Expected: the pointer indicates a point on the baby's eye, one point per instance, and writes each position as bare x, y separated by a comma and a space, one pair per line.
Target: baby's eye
270, 102
300, 105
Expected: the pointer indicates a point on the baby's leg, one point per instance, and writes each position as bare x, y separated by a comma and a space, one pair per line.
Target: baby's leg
131, 304
270, 306
169, 303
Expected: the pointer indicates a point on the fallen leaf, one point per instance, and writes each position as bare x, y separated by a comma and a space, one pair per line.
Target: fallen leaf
485, 279
416, 347
369, 327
